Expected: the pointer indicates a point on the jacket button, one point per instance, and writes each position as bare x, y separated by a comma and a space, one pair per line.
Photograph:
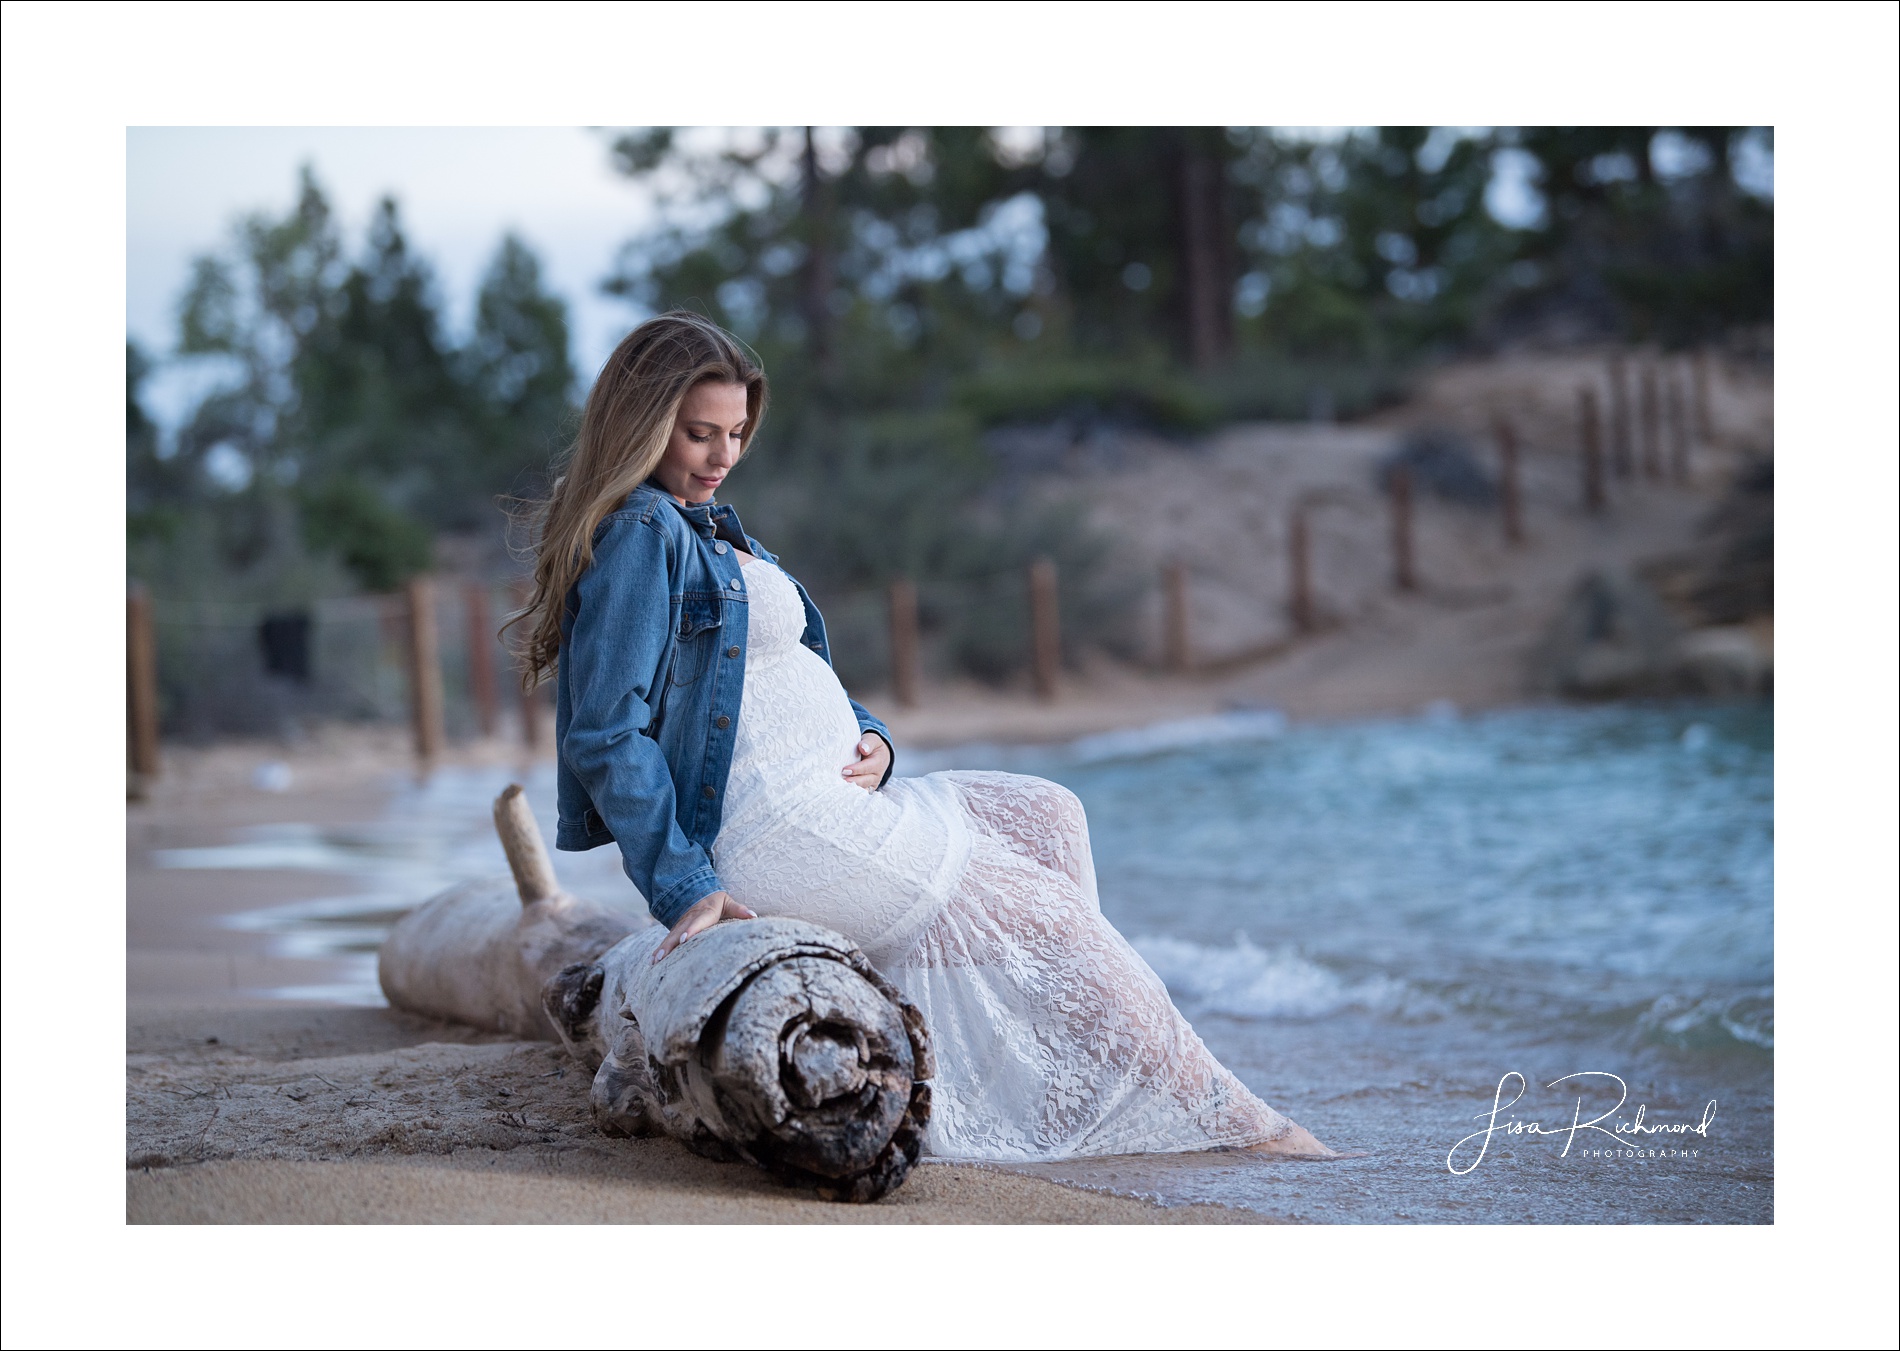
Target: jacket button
722, 721
709, 791
736, 584
719, 547
732, 652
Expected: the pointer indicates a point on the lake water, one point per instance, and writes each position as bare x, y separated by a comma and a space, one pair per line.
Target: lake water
1375, 925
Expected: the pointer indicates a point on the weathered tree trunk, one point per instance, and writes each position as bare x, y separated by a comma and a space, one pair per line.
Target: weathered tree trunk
480, 953
770, 1040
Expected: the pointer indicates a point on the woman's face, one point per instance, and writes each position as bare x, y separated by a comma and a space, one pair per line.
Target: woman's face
706, 441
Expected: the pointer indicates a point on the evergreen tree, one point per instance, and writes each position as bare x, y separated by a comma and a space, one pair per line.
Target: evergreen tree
519, 370
350, 426
380, 425
1649, 234
156, 490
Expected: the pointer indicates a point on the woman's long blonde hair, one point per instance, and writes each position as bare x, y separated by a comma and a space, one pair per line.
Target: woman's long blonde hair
625, 425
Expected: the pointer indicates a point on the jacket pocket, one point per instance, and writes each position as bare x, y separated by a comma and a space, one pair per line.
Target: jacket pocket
697, 637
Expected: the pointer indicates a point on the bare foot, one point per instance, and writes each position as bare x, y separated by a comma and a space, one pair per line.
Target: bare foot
1297, 1143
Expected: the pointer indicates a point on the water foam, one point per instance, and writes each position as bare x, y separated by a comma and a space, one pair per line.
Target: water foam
1688, 1022
1234, 727
1246, 981
1179, 734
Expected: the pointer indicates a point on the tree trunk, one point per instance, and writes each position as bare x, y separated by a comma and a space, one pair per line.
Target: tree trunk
771, 1041
481, 953
1205, 260
820, 271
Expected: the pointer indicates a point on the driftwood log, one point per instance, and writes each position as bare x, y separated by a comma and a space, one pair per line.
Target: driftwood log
480, 953
770, 1041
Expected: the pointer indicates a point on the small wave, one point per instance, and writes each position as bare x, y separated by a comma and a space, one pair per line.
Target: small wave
1179, 734
1692, 1023
1246, 981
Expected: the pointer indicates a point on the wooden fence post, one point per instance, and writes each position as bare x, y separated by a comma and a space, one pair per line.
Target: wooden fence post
1510, 497
1046, 637
1622, 462
141, 688
1699, 376
1299, 603
1404, 576
1174, 618
1678, 432
425, 669
527, 702
904, 643
1590, 434
481, 658
1652, 427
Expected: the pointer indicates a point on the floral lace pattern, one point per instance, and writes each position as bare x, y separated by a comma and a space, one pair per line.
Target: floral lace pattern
798, 839
975, 894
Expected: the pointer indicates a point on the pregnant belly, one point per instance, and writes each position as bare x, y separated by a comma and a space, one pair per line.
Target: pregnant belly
799, 840
796, 734
868, 865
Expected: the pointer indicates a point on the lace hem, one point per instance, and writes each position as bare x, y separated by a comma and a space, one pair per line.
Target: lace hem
1055, 1039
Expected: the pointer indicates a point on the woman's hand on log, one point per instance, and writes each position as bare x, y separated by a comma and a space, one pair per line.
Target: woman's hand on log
707, 911
874, 757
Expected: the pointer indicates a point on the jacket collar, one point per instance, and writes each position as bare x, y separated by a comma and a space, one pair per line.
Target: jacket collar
706, 518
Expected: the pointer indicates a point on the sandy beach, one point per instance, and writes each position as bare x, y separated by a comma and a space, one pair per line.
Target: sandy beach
369, 1116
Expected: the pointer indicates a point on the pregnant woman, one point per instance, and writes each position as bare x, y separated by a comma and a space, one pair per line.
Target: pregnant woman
701, 729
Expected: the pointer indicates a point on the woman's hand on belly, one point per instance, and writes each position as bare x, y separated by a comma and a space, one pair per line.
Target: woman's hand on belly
707, 911
874, 757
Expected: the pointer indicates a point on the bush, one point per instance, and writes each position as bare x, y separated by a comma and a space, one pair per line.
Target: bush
1136, 395
1442, 464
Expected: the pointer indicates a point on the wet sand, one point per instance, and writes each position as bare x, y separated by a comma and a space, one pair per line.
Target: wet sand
369, 1116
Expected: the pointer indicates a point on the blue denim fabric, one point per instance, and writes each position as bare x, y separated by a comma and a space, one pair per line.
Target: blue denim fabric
653, 642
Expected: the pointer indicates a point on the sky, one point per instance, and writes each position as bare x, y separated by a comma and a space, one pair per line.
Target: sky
459, 189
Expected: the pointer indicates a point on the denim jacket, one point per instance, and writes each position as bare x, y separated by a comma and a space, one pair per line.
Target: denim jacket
653, 642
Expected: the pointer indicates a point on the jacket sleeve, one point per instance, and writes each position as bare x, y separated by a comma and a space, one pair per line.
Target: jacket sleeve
614, 649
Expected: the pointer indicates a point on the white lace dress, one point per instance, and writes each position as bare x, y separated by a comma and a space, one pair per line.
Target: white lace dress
975, 894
